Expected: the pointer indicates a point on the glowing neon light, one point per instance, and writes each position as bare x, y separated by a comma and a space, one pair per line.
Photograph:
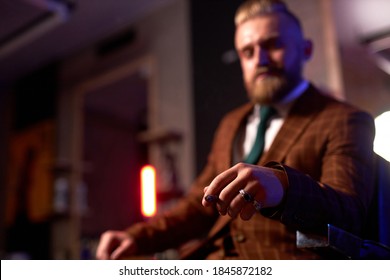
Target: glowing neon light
148, 191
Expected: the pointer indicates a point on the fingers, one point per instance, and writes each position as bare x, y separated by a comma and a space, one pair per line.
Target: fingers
103, 250
115, 245
225, 186
244, 204
217, 185
235, 206
224, 191
230, 198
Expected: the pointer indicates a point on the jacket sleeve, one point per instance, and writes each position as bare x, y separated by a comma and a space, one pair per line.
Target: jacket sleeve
343, 191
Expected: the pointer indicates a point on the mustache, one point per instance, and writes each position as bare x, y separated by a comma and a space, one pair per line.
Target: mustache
268, 70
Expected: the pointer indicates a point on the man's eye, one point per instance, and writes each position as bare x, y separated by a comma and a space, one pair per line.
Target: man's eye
247, 53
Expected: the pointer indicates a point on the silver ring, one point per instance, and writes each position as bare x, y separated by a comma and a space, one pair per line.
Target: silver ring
246, 196
257, 205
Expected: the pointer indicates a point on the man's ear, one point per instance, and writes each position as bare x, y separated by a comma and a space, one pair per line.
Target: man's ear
307, 49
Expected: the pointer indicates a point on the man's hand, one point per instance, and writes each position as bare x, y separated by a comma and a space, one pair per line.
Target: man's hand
260, 183
115, 245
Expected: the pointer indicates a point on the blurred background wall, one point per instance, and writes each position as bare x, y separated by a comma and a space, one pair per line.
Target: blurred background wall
90, 91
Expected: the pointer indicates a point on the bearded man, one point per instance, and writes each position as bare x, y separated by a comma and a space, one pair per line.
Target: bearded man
291, 159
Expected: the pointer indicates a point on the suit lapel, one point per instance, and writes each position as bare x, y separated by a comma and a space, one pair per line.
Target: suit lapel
301, 115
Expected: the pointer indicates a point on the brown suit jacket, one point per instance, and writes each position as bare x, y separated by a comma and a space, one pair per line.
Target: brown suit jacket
325, 150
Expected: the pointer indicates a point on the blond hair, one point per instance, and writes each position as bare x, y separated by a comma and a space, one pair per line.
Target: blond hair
252, 8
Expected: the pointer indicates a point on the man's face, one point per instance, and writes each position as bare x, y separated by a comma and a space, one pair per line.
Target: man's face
272, 52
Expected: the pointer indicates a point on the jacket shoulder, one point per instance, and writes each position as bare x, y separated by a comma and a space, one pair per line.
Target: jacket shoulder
328, 104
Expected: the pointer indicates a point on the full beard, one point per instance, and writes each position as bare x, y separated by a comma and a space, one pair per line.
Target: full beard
269, 90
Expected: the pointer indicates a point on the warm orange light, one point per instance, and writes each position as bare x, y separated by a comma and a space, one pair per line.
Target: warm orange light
148, 191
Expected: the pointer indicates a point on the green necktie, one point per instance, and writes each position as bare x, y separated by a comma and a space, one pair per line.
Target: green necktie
265, 114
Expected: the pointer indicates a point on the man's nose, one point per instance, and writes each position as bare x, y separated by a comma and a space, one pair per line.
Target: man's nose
262, 57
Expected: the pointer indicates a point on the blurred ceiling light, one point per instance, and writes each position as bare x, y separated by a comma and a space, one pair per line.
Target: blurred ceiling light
382, 136
52, 13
